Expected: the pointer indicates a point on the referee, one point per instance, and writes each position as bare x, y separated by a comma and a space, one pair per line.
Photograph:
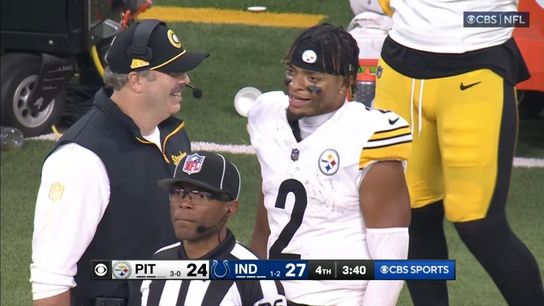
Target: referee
203, 195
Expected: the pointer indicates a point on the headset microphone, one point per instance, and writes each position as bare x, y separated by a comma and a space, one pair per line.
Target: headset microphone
197, 92
201, 229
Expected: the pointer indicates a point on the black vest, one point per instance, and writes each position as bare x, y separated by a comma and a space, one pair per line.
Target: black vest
136, 222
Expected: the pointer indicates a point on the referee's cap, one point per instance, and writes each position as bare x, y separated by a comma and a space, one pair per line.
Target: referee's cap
207, 170
150, 44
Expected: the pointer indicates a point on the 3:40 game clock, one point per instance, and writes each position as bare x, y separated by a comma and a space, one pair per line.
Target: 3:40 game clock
355, 269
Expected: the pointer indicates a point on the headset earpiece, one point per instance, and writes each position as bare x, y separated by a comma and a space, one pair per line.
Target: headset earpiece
140, 53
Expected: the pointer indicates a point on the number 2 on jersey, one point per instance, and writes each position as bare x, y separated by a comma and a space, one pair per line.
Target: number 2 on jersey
301, 200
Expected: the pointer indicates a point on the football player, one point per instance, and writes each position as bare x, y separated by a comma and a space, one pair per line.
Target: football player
456, 84
332, 172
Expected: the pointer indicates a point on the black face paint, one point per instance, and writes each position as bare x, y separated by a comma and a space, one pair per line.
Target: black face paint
287, 79
316, 90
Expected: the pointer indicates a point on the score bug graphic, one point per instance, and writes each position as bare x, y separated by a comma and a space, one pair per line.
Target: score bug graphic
258, 269
341, 269
149, 269
233, 269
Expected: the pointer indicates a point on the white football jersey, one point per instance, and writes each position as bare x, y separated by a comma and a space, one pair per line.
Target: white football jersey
311, 188
438, 25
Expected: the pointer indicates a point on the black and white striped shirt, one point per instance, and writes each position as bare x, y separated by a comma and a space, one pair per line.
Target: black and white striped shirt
217, 292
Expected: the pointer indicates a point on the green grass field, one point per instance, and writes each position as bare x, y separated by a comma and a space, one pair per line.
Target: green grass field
251, 56
20, 172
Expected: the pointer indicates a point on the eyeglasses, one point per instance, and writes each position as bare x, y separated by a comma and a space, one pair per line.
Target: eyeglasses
195, 195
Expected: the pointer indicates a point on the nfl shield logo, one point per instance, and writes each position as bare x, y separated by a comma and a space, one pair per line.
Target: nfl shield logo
294, 154
193, 163
56, 191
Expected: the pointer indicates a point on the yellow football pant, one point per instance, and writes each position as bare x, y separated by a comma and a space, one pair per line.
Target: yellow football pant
463, 140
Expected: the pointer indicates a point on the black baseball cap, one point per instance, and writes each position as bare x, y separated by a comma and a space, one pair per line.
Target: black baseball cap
208, 170
150, 44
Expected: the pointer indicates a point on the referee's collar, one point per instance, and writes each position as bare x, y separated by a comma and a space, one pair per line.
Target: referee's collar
221, 251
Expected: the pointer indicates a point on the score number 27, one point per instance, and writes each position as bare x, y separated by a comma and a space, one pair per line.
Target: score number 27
291, 270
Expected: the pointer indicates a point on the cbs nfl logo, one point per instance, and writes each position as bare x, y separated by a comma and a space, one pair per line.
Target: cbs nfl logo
495, 19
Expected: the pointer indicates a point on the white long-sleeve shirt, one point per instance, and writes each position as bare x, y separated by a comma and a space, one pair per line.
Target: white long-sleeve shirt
73, 196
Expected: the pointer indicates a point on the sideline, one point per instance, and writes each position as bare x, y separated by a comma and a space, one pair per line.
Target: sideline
524, 162
223, 16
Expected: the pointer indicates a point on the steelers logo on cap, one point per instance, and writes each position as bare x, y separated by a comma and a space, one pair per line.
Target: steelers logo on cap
173, 38
309, 56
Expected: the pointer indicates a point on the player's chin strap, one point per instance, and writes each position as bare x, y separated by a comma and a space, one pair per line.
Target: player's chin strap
385, 243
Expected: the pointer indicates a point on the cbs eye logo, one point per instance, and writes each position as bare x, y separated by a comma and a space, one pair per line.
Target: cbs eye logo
100, 269
471, 19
